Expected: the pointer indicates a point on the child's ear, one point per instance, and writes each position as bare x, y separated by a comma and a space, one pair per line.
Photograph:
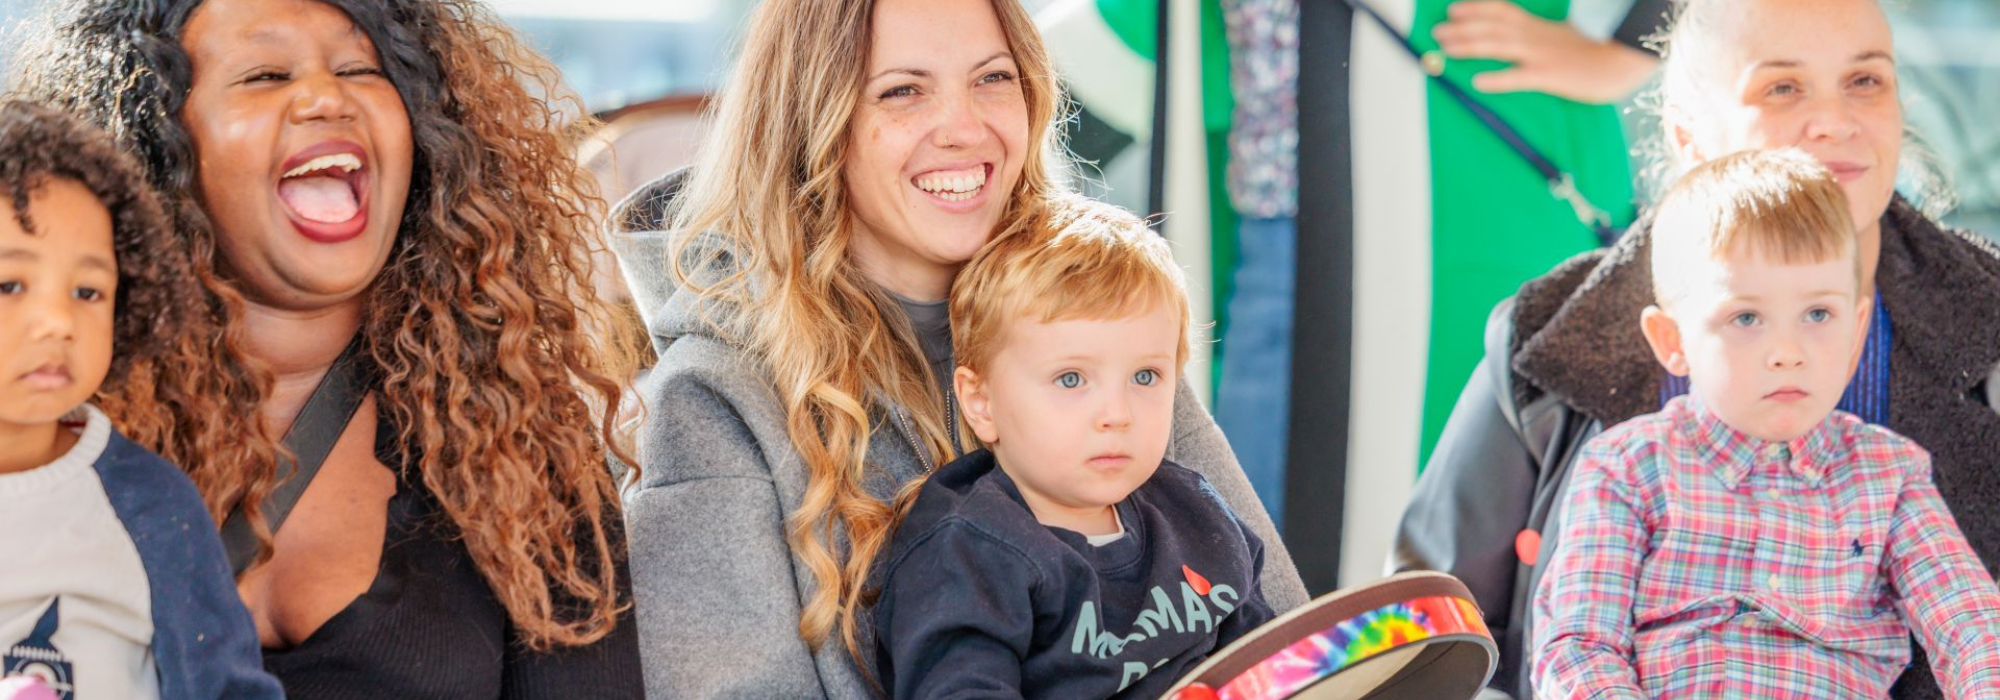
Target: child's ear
975, 404
1664, 335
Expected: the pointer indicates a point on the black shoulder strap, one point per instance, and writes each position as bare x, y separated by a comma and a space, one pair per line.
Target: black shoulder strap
310, 439
1562, 185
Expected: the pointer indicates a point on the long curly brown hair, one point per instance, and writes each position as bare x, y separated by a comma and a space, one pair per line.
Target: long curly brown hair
480, 324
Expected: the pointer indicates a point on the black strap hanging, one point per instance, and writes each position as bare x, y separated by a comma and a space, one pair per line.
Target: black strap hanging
1561, 185
310, 439
1156, 164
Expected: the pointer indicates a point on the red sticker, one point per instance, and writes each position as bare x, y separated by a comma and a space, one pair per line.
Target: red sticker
1194, 691
1201, 585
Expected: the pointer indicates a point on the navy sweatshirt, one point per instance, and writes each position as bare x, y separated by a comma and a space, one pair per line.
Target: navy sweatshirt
204, 641
979, 600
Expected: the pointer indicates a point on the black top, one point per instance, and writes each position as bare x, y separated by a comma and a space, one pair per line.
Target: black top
978, 596
430, 628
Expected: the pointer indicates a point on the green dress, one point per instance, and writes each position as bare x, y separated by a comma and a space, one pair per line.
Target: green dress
1494, 224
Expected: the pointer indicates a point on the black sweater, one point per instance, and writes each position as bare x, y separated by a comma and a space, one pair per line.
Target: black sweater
981, 600
429, 626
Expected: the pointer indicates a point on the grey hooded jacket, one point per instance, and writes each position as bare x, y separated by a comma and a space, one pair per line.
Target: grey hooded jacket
718, 589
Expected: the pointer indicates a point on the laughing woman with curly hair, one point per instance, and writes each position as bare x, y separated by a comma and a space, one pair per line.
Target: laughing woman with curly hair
379, 181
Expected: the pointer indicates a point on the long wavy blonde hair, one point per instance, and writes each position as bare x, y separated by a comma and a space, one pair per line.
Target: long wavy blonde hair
840, 352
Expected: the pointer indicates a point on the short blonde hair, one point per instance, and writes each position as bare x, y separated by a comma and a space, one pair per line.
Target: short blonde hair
1780, 204
1086, 260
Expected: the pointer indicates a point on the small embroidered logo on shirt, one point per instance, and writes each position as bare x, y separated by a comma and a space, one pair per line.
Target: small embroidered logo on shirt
37, 656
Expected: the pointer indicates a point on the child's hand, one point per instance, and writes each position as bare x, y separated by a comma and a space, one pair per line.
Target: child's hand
25, 688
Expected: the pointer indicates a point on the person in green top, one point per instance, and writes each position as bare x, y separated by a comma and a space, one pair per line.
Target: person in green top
1494, 223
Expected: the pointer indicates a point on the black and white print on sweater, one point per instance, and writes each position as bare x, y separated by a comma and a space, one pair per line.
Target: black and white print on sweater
977, 594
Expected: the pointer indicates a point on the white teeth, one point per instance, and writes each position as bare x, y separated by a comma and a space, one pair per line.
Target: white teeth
954, 188
345, 162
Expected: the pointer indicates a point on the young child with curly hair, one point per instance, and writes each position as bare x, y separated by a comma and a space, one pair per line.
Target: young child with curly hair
114, 583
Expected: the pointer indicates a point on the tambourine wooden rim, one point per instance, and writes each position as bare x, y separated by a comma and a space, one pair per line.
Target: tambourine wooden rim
1428, 614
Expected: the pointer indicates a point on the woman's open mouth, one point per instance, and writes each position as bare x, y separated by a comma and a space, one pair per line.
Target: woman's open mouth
323, 190
959, 185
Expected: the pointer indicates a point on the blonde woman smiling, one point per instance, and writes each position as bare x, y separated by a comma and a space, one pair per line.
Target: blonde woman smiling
865, 151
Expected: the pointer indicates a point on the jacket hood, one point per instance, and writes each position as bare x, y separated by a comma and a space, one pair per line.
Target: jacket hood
642, 236
670, 308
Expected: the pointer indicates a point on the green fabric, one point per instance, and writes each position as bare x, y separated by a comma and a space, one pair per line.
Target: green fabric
1133, 22
1222, 220
1217, 100
1494, 224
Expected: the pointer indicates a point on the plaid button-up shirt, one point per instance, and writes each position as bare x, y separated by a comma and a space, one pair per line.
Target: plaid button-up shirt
1699, 562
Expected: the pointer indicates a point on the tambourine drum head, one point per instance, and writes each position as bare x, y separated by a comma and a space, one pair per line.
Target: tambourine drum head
1414, 636
1361, 681
1447, 670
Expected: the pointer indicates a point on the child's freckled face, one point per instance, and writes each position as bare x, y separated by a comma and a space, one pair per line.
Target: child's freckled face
57, 287
1770, 346
1079, 412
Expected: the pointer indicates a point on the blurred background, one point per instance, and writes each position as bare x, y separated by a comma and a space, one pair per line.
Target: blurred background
1385, 303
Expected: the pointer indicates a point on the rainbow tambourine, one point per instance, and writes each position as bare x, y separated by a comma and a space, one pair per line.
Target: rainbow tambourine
1416, 635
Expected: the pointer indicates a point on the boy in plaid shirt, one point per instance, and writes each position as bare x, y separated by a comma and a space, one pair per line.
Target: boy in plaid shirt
1749, 541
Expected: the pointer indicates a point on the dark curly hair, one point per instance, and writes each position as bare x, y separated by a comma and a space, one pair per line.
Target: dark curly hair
156, 299
480, 324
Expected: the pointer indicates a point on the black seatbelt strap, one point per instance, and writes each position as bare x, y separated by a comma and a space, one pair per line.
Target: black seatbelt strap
1561, 185
310, 439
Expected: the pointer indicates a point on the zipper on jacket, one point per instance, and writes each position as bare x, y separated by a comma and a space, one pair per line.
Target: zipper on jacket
909, 431
951, 421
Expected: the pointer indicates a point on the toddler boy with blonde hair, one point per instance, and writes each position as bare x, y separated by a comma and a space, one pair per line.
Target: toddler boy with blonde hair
1749, 540
1068, 559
